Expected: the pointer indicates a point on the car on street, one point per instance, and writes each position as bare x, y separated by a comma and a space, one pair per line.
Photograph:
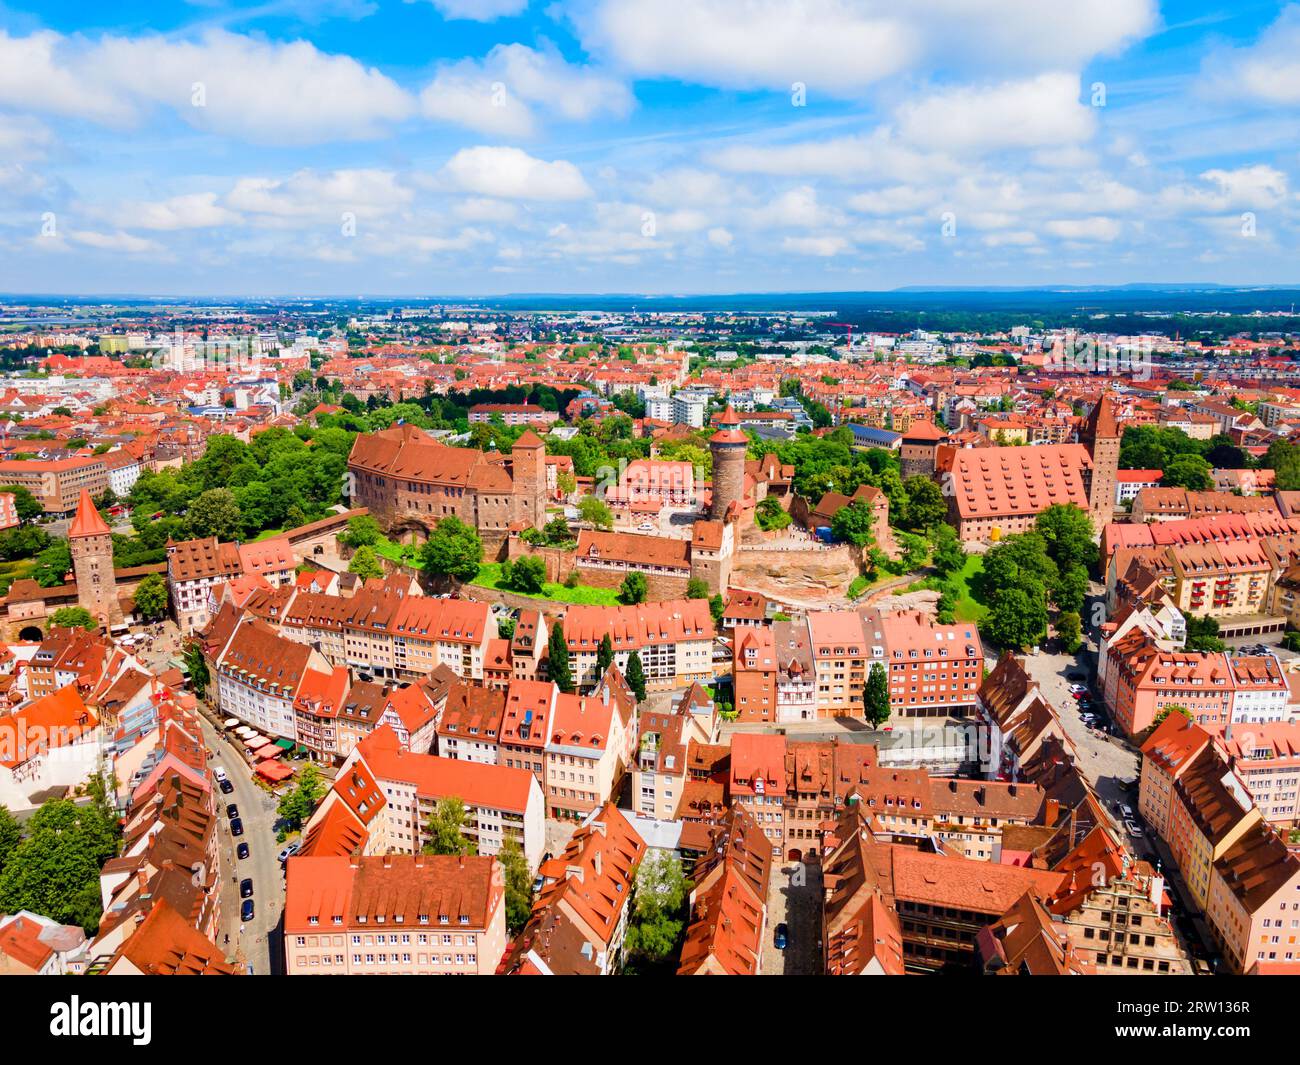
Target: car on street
1126, 810
289, 851
246, 910
226, 787
232, 812
241, 852
246, 888
1078, 690
236, 827
1134, 829
782, 936
645, 526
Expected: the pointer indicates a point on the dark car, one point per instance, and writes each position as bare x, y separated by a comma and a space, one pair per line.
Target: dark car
246, 888
241, 851
236, 827
246, 910
226, 787
782, 936
232, 811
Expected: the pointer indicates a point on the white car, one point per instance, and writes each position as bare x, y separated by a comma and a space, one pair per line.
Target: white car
645, 526
1078, 689
1126, 809
1133, 828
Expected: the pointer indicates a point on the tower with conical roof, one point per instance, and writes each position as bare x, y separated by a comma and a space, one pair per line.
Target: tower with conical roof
1101, 436
728, 447
90, 542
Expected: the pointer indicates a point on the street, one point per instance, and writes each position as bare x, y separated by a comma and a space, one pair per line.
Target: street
794, 898
257, 942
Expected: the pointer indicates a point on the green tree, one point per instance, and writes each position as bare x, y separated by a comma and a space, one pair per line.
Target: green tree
1172, 708
23, 541
452, 550
855, 523
73, 617
947, 555
658, 909
697, 588
1071, 590
1017, 619
445, 829
633, 589
215, 513
1187, 471
875, 696
296, 806
10, 836
53, 564
152, 597
557, 657
365, 563
362, 531
926, 506
1067, 535
1203, 634
27, 506
527, 574
519, 884
636, 676
595, 513
1069, 627
604, 655
197, 666
769, 514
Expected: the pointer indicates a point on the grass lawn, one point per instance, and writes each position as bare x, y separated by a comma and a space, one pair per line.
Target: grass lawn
398, 553
967, 609
489, 576
14, 571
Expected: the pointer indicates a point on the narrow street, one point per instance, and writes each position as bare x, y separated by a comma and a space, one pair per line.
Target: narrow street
257, 942
794, 898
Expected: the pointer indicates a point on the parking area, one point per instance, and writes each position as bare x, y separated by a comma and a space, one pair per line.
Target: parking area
794, 900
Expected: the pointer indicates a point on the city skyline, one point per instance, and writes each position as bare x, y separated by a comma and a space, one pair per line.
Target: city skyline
466, 148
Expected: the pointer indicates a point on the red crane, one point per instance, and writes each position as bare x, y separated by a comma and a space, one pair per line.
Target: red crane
848, 326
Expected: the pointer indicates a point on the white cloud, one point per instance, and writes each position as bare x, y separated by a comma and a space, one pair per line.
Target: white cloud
39, 73
24, 139
117, 241
720, 237
1267, 71
498, 95
479, 10
823, 246
1039, 111
193, 211
310, 194
1096, 228
512, 174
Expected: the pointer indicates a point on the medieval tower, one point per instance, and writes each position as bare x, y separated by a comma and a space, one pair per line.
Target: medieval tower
90, 542
728, 446
1101, 436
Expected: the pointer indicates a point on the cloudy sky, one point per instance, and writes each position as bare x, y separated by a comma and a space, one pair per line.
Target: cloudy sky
492, 146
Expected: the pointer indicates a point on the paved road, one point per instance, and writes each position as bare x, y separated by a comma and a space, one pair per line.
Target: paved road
256, 943
794, 897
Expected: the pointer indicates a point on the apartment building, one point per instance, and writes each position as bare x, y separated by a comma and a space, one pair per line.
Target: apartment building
1253, 907
258, 675
673, 639
194, 568
394, 914
1267, 760
58, 483
590, 742
1209, 812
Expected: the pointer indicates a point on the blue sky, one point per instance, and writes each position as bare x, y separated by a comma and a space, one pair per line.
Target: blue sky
668, 146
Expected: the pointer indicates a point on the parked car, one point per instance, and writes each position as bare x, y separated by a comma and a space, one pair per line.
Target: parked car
1078, 690
246, 910
241, 852
289, 851
232, 811
226, 787
246, 888
782, 936
1126, 809
236, 827
1134, 829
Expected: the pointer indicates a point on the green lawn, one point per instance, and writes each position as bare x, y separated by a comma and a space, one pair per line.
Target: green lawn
967, 609
489, 576
398, 553
13, 571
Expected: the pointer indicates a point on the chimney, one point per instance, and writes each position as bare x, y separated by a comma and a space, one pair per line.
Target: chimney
1053, 812
596, 862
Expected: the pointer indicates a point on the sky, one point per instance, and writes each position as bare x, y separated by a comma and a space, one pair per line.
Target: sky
483, 147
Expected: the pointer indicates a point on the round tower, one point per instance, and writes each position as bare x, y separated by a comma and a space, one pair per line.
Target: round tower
728, 446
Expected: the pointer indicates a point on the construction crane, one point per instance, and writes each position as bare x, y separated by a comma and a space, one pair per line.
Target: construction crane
848, 326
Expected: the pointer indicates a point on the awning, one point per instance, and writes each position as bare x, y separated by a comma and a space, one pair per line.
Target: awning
269, 751
285, 744
274, 770
230, 722
255, 741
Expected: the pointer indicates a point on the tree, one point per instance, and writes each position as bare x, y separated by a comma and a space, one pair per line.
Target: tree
215, 513
362, 531
855, 523
197, 666
1017, 619
297, 805
636, 676
717, 607
926, 506
1069, 627
1203, 634
697, 588
452, 550
10, 836
633, 589
526, 574
875, 696
1187, 471
595, 513
519, 884
365, 563
27, 506
769, 514
1171, 708
947, 556
152, 597
73, 617
24, 541
604, 655
445, 829
1067, 533
1071, 590
557, 656
658, 908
